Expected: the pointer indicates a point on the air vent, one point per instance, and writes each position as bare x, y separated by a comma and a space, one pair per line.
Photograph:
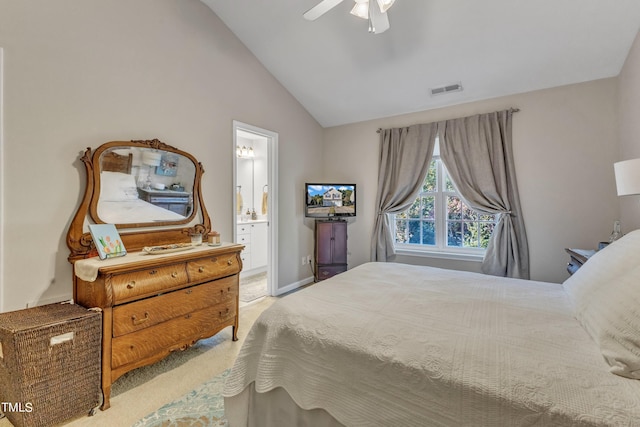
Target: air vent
455, 87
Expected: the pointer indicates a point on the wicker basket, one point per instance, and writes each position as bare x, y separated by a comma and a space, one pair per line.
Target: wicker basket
49, 363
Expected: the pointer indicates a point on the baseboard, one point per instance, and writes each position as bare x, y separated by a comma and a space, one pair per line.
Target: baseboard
50, 300
294, 286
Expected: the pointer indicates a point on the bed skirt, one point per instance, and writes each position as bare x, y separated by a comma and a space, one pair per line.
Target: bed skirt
272, 409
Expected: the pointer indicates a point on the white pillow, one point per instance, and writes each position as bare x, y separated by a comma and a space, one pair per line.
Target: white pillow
605, 293
605, 265
612, 318
117, 187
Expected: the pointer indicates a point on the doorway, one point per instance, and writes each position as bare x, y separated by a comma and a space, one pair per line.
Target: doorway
255, 189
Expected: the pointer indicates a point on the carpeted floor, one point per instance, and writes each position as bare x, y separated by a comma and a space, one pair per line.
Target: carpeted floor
181, 377
253, 287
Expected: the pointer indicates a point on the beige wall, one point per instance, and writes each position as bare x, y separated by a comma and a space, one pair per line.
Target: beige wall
565, 144
80, 73
629, 120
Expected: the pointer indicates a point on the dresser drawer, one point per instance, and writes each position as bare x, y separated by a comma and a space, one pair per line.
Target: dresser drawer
129, 286
211, 267
170, 336
142, 314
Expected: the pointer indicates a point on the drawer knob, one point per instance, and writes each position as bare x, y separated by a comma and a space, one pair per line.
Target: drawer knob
131, 284
174, 274
201, 269
229, 262
188, 291
188, 316
153, 272
135, 320
224, 313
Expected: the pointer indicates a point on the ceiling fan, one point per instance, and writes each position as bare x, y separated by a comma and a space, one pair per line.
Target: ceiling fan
376, 15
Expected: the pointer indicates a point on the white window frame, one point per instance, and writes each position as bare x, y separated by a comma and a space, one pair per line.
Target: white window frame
440, 249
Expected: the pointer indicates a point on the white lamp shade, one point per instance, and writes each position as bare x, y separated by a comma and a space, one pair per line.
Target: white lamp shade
385, 5
627, 177
361, 9
151, 158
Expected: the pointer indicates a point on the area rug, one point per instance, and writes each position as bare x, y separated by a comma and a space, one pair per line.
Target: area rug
202, 407
253, 287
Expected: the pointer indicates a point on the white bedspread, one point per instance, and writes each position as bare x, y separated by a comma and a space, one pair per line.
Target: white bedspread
400, 345
131, 211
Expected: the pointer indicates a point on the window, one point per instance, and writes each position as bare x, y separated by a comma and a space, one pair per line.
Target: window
439, 220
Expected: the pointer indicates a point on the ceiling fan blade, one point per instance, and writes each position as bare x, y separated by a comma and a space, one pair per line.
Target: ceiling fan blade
378, 21
320, 9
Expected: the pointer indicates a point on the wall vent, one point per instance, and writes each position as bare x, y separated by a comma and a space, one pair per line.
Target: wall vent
455, 87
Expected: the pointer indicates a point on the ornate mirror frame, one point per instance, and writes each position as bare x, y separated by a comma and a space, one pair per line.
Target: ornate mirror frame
134, 236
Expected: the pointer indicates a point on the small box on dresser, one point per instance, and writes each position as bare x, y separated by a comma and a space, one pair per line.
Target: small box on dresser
49, 363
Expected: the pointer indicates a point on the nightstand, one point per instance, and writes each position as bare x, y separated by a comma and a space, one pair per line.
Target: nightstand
175, 201
578, 258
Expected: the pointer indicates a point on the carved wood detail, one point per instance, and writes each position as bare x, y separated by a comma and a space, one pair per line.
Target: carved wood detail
79, 239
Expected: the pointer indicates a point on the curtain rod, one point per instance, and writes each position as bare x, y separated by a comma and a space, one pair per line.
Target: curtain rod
512, 110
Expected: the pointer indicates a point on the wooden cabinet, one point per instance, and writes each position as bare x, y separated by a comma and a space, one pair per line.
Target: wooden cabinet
330, 249
254, 236
157, 304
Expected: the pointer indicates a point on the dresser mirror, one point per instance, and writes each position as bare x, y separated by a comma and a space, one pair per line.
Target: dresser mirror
150, 191
143, 185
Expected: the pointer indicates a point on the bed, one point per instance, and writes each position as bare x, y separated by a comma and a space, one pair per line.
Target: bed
399, 345
119, 202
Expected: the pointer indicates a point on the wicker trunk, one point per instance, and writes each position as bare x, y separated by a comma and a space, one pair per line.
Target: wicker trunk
49, 363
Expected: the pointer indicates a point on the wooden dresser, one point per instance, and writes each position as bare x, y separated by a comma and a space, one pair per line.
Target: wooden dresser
154, 305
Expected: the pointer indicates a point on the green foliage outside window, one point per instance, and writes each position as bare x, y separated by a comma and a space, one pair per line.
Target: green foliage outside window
465, 227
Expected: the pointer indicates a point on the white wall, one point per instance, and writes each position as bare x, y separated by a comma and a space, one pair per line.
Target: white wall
79, 73
629, 121
565, 144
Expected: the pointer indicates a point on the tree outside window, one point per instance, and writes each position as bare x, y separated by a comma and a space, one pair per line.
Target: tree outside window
440, 220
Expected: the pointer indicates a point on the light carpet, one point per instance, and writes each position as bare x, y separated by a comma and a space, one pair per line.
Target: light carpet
253, 287
145, 390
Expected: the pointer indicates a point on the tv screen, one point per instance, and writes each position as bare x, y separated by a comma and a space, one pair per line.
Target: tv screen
330, 200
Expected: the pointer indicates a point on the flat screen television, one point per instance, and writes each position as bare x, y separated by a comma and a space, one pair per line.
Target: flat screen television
324, 200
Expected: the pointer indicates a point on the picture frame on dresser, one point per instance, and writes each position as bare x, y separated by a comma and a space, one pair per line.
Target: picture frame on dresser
152, 304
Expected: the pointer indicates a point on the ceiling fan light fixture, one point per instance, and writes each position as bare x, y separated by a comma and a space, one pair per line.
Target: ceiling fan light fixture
361, 9
385, 5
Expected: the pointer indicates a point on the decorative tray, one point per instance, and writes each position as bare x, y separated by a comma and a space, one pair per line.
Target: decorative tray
165, 249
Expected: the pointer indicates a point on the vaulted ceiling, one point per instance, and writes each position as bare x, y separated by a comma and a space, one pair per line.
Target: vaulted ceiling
342, 74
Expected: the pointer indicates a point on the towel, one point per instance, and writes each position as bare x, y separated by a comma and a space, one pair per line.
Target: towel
239, 203
264, 203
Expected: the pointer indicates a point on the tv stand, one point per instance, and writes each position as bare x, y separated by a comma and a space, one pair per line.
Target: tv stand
330, 248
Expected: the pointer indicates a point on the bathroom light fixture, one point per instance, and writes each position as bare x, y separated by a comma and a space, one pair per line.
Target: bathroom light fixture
627, 174
244, 152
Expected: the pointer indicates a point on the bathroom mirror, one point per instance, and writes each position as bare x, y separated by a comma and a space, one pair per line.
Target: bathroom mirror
145, 185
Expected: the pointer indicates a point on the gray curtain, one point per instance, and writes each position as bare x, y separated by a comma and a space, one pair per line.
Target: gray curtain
478, 154
405, 154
